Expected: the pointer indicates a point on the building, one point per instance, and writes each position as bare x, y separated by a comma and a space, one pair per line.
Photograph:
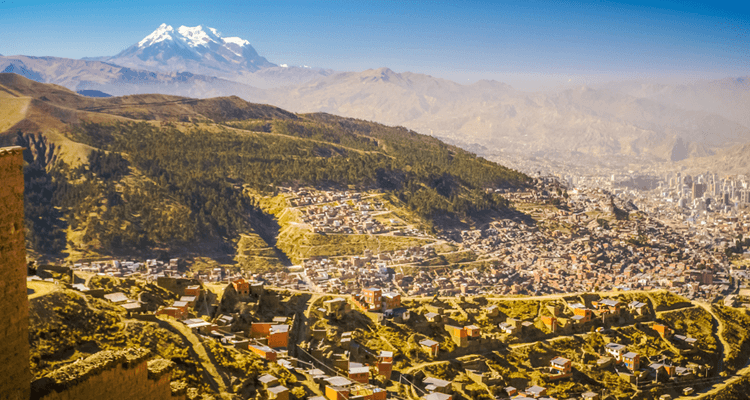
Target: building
391, 301
430, 346
664, 331
359, 373
581, 314
561, 365
373, 299
615, 350
632, 360
174, 312
276, 336
278, 393
536, 392
473, 332
263, 352
437, 396
698, 190
437, 385
14, 315
336, 308
241, 287
458, 334
193, 290
613, 306
117, 298
385, 363
550, 323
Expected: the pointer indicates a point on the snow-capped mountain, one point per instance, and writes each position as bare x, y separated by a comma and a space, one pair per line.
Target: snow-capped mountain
196, 49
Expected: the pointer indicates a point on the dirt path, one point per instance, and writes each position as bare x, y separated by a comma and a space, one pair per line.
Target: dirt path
216, 381
715, 389
422, 365
718, 331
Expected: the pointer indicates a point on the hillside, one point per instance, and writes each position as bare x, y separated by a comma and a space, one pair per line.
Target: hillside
156, 172
478, 367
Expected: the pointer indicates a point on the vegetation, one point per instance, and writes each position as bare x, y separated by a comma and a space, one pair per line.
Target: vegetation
45, 228
65, 325
694, 322
737, 334
165, 186
664, 300
299, 243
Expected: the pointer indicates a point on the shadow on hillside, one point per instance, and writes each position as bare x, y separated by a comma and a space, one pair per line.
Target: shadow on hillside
268, 228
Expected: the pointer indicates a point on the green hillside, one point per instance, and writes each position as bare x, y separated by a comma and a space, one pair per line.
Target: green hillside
172, 174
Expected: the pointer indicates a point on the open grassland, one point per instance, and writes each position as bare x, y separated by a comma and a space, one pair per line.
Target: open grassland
12, 111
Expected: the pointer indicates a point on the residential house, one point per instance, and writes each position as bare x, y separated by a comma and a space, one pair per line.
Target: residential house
241, 287
385, 363
278, 393
391, 301
616, 350
536, 391
268, 381
430, 346
632, 360
117, 298
560, 366
263, 352
458, 334
437, 385
613, 306
581, 314
664, 331
193, 290
550, 323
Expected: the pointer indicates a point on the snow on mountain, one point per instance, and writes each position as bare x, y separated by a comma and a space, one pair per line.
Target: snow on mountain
159, 35
197, 49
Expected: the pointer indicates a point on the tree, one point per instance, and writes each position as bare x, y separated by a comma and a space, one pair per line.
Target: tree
45, 228
299, 392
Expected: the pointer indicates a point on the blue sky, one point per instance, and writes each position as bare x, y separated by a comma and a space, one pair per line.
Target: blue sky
464, 41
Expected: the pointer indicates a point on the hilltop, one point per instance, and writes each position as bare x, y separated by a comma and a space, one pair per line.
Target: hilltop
164, 172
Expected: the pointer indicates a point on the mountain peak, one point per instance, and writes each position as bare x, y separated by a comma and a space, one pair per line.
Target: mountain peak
162, 33
196, 36
189, 48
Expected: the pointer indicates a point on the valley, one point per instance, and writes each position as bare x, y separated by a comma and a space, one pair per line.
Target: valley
236, 250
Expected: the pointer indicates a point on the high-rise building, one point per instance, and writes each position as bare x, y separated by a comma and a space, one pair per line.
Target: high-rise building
698, 190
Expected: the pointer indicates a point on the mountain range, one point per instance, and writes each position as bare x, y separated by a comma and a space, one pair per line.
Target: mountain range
633, 121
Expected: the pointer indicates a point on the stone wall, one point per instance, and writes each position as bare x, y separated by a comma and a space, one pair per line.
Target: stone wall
122, 375
15, 374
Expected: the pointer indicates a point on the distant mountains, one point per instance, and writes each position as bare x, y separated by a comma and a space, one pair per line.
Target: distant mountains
204, 51
628, 121
582, 123
116, 80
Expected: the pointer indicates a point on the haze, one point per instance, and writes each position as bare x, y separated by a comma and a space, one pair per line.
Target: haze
529, 45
